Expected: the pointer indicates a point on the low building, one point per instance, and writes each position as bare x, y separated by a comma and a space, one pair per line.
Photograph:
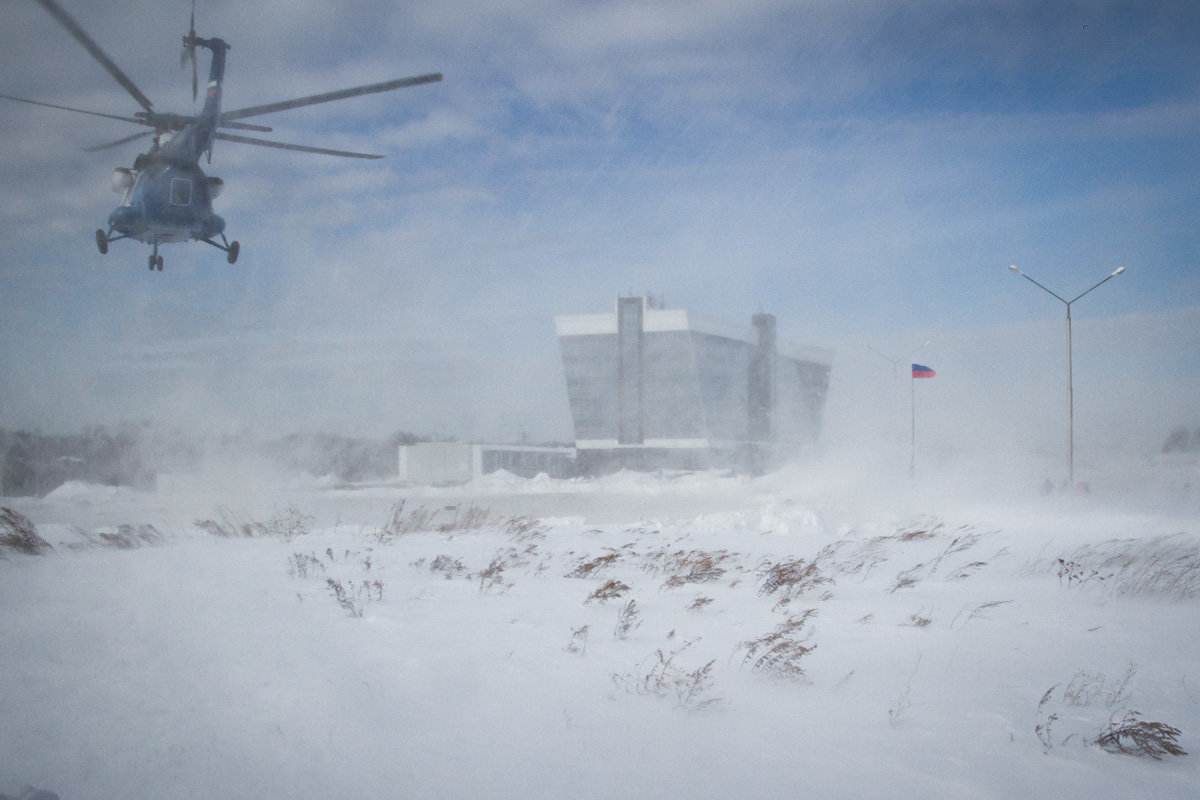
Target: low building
653, 388
449, 463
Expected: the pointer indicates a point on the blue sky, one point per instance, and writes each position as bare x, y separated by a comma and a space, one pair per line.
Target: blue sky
864, 170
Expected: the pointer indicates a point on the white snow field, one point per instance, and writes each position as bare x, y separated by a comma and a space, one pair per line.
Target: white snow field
638, 636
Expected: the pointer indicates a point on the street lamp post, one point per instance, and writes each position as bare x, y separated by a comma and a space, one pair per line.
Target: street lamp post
1070, 377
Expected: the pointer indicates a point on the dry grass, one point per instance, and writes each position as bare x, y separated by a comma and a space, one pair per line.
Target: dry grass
792, 577
449, 566
1125, 732
579, 640
588, 567
628, 620
402, 521
918, 531
969, 569
965, 538
977, 611
522, 528
19, 534
1133, 736
353, 596
660, 676
899, 708
611, 590
919, 620
688, 566
780, 652
908, 578
289, 524
286, 524
129, 537
471, 518
122, 537
1162, 566
493, 576
301, 564
228, 525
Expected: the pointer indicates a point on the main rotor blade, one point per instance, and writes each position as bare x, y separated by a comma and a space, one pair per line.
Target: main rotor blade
191, 51
229, 137
152, 121
134, 120
73, 27
117, 143
284, 105
245, 126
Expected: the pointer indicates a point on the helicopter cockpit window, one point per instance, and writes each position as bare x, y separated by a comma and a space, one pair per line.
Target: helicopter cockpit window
181, 192
129, 194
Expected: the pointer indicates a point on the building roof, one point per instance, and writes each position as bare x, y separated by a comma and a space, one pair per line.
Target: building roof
665, 320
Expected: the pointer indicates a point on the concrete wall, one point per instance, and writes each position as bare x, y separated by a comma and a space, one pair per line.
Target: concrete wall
448, 463
436, 463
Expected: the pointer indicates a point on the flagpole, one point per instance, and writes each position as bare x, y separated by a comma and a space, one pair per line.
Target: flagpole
912, 458
895, 362
917, 371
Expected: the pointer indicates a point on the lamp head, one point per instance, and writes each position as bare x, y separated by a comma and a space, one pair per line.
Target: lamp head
1118, 270
1013, 268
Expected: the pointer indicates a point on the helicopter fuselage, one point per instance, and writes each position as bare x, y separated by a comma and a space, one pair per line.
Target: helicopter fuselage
169, 198
167, 203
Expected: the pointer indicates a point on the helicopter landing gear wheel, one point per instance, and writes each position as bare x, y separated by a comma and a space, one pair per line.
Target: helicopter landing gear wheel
101, 242
160, 263
156, 263
153, 261
235, 247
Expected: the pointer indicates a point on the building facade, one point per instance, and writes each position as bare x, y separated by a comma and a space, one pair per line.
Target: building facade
664, 388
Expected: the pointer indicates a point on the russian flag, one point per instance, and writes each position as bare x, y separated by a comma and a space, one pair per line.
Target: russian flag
922, 371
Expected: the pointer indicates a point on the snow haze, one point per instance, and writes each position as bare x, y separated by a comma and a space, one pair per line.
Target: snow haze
478, 640
916, 608
865, 172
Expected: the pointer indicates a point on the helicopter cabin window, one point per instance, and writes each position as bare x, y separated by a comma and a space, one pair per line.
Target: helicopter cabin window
181, 191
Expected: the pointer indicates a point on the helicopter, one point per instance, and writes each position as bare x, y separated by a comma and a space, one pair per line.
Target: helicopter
166, 196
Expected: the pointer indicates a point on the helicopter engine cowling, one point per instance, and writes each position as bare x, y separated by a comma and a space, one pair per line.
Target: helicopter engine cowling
215, 187
121, 180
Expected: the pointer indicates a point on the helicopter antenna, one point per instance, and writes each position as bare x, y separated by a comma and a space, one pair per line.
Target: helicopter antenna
189, 52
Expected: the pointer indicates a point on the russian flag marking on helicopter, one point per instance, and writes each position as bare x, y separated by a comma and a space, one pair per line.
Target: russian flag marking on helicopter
212, 89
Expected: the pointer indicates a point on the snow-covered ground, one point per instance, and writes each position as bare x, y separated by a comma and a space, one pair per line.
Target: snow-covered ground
803, 633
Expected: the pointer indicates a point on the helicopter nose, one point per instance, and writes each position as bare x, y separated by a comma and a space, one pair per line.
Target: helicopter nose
124, 219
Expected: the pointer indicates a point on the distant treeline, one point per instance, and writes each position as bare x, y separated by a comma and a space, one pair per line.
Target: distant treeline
34, 464
1181, 440
348, 458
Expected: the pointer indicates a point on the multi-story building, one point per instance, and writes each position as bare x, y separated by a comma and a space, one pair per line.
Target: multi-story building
657, 388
